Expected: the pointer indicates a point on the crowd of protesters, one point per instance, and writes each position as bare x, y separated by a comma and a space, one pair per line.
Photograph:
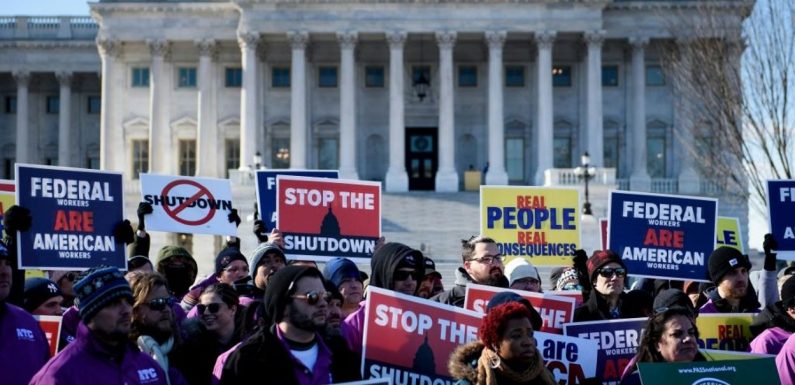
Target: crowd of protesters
269, 320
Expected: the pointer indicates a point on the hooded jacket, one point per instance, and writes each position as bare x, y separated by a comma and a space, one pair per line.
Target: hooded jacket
716, 304
20, 337
387, 259
463, 366
770, 329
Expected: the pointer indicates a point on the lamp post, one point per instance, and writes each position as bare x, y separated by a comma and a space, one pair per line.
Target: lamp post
257, 160
585, 172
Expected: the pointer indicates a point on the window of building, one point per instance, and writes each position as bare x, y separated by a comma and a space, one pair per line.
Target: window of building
232, 155
611, 152
280, 152
514, 76
187, 77
467, 76
280, 77
140, 77
327, 76
419, 71
140, 157
11, 105
374, 76
8, 167
187, 157
53, 104
514, 159
562, 150
234, 77
609, 76
561, 76
655, 156
92, 162
654, 76
94, 104
328, 154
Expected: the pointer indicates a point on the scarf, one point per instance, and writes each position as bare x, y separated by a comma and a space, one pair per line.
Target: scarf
490, 364
158, 352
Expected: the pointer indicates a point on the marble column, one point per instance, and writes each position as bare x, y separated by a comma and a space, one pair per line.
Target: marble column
22, 78
248, 98
446, 176
689, 180
397, 179
639, 180
207, 145
544, 140
64, 118
496, 174
298, 133
109, 50
594, 40
160, 146
347, 42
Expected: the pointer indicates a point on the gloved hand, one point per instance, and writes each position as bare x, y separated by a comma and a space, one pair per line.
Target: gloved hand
260, 231
123, 232
233, 217
17, 218
144, 209
769, 245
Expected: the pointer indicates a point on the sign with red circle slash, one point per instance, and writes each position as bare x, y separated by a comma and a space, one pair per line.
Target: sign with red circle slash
187, 204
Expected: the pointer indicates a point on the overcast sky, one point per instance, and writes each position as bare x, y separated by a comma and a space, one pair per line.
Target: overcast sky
44, 7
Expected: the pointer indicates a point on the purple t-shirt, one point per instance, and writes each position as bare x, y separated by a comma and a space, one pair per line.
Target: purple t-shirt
23, 346
770, 341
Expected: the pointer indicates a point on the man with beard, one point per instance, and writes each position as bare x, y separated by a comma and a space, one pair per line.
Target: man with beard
101, 353
291, 352
482, 265
728, 269
432, 283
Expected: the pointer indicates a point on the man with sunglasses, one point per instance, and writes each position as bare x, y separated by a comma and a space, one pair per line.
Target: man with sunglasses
292, 351
482, 264
607, 300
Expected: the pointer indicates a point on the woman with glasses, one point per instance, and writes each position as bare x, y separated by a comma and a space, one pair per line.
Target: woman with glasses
670, 335
608, 300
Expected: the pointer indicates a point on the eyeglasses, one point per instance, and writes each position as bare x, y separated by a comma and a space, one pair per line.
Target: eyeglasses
402, 275
158, 304
608, 272
213, 308
488, 260
313, 297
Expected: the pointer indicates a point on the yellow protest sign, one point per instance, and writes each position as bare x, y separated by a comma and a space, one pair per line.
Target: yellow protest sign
725, 331
728, 233
7, 198
536, 223
723, 355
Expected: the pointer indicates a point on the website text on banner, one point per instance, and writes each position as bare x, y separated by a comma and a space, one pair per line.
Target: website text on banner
428, 332
7, 197
554, 310
662, 236
729, 233
190, 205
51, 326
759, 371
74, 214
780, 206
725, 331
324, 218
266, 190
536, 223
617, 341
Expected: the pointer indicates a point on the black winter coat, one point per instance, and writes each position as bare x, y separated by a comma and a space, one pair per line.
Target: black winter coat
772, 316
596, 309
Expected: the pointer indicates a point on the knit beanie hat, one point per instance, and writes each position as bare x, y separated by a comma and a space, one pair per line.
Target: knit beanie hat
788, 290
430, 268
277, 294
568, 276
723, 260
99, 287
601, 258
518, 269
262, 250
38, 291
509, 296
227, 256
338, 270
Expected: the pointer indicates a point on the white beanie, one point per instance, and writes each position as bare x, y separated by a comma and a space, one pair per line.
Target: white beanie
519, 268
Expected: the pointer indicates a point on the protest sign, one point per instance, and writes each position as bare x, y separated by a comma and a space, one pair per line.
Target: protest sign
662, 236
266, 190
780, 206
729, 233
536, 223
758, 371
373, 381
725, 331
569, 359
190, 205
51, 326
75, 212
603, 232
554, 310
7, 197
723, 355
325, 218
617, 342
576, 294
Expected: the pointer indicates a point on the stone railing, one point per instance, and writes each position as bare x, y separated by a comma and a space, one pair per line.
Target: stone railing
47, 28
665, 185
567, 177
708, 187
623, 184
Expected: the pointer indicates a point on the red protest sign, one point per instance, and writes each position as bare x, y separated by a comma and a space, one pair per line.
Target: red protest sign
603, 232
323, 218
576, 294
51, 326
554, 310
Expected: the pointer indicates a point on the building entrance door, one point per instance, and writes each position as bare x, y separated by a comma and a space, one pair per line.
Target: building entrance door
422, 153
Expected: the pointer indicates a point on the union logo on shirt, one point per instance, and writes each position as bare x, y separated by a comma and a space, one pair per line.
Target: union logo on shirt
147, 376
25, 334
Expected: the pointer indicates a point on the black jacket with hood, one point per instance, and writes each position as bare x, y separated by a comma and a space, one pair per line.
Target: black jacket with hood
748, 304
387, 259
455, 296
596, 308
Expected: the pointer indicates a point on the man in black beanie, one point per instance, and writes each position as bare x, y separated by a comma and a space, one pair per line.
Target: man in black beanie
728, 269
292, 351
776, 323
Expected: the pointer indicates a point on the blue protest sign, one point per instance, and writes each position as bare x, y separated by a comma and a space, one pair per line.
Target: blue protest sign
74, 214
662, 236
780, 207
617, 342
266, 190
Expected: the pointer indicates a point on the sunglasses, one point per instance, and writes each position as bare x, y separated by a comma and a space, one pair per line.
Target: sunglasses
213, 308
159, 304
402, 275
313, 297
608, 272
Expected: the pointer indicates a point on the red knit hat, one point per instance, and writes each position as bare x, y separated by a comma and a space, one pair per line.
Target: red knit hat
601, 258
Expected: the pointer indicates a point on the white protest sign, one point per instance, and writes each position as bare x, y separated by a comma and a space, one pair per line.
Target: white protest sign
184, 204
